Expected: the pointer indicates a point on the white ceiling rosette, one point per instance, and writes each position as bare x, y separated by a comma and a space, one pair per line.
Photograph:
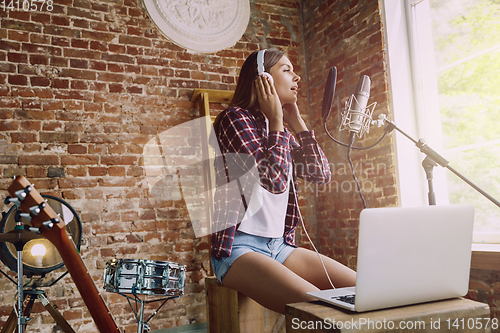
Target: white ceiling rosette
200, 26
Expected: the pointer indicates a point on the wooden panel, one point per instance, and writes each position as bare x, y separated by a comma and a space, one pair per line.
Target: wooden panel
428, 317
230, 311
486, 257
222, 307
216, 96
208, 154
256, 318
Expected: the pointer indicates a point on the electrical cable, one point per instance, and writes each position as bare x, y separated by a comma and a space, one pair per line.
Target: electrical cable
309, 238
358, 186
353, 147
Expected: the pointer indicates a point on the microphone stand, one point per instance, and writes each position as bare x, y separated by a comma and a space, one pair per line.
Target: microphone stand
433, 159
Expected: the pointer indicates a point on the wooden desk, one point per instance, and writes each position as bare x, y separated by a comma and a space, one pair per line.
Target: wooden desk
454, 315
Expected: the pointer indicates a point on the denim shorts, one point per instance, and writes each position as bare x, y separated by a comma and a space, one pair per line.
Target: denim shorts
275, 248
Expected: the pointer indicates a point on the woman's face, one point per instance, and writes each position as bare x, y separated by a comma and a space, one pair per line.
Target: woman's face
285, 81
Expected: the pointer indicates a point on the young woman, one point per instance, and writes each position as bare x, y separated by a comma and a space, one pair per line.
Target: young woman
256, 253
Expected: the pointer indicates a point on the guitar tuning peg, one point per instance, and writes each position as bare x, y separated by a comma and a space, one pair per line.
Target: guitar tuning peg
19, 215
50, 224
33, 229
37, 209
10, 200
21, 194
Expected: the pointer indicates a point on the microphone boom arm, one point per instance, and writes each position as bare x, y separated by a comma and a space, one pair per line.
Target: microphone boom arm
434, 156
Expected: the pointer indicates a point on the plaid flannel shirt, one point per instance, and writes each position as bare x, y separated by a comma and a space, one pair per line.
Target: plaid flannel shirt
241, 131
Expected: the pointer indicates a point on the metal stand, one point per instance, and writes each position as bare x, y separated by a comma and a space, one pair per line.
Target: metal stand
31, 296
432, 160
19, 237
143, 326
429, 165
21, 319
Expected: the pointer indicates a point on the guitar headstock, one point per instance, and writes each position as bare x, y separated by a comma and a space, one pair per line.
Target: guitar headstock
34, 207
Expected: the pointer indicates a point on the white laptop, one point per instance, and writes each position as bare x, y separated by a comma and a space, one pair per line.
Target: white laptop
407, 256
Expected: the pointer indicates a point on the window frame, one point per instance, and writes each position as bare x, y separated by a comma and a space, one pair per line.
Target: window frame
409, 81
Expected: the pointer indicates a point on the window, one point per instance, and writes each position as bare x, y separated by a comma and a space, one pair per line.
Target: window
444, 68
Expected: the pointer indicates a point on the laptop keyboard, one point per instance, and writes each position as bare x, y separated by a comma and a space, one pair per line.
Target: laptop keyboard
346, 298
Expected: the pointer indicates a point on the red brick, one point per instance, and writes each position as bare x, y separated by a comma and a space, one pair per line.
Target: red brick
60, 20
110, 77
78, 74
118, 58
79, 63
79, 53
60, 83
79, 85
117, 171
32, 104
52, 105
98, 171
38, 160
79, 44
20, 80
18, 25
116, 88
124, 39
20, 36
119, 160
100, 36
59, 137
31, 125
73, 95
98, 46
60, 31
77, 182
23, 137
39, 81
79, 160
77, 149
9, 125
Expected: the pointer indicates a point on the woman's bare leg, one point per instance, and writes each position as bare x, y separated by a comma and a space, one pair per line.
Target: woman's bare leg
306, 264
274, 285
267, 281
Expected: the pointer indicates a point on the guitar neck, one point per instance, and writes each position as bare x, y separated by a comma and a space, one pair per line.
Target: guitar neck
85, 284
56, 233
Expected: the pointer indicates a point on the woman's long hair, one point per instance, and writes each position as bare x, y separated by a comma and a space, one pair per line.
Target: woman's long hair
245, 95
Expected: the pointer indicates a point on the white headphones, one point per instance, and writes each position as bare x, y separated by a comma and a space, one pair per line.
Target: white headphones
260, 66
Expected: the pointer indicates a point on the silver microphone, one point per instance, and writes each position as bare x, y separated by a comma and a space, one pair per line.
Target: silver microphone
356, 116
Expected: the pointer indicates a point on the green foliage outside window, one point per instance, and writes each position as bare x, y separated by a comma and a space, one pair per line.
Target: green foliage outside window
467, 50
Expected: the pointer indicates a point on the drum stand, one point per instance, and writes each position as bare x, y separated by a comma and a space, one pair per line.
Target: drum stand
143, 326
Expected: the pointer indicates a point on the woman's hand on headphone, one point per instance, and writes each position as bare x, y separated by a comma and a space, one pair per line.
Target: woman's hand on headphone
269, 103
293, 119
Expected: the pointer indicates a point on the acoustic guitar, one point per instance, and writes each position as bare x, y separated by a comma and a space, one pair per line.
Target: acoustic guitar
51, 227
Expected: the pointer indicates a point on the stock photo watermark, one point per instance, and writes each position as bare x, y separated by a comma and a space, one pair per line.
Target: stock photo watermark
186, 162
365, 324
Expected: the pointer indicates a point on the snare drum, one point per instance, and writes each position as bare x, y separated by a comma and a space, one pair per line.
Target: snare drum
144, 277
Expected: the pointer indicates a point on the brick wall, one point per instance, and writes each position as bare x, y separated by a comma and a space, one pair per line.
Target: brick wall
484, 286
348, 35
83, 88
